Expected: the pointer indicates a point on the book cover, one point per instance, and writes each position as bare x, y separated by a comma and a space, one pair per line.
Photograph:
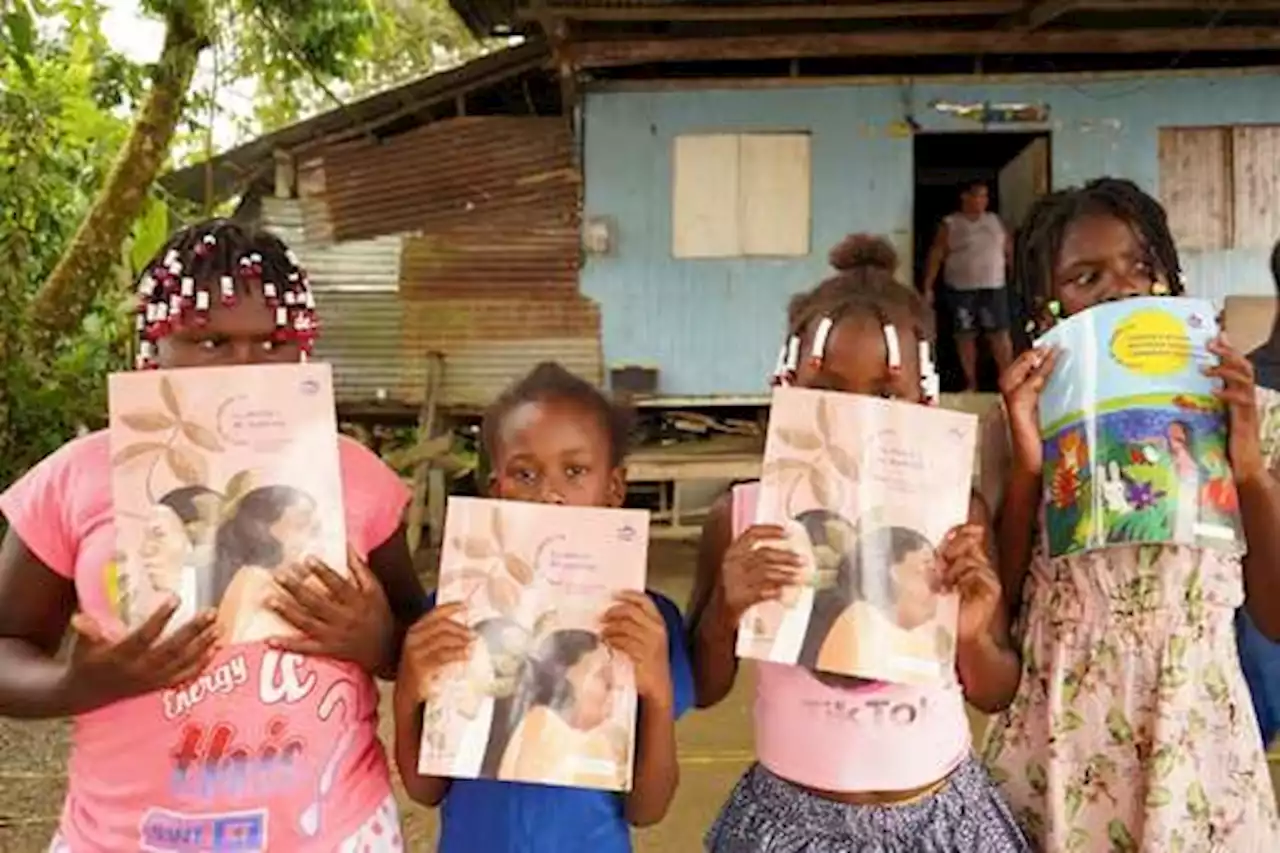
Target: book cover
1135, 443
866, 490
221, 476
541, 698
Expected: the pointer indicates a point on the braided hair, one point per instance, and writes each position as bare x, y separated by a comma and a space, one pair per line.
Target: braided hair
863, 284
1039, 240
224, 260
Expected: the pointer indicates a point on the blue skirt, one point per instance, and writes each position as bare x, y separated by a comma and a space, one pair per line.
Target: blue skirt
1260, 660
768, 814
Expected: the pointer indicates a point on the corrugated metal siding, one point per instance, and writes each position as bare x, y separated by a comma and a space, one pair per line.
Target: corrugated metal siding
712, 327
465, 170
491, 259
485, 271
357, 296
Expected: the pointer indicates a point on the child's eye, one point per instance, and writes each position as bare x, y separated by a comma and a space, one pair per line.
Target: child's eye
575, 471
1086, 279
524, 475
209, 344
269, 345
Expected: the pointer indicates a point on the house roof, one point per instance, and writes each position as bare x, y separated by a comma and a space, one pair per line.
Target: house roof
617, 33
408, 104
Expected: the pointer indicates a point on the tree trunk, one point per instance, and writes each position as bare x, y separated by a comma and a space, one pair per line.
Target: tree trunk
63, 299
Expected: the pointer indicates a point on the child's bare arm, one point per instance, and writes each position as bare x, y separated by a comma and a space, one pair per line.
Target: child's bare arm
635, 627
657, 771
988, 667
433, 642
713, 631
428, 790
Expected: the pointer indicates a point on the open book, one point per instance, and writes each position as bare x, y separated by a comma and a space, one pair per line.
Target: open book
542, 698
221, 476
866, 490
1135, 443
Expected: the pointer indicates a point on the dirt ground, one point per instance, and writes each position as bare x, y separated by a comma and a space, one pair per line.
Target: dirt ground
715, 747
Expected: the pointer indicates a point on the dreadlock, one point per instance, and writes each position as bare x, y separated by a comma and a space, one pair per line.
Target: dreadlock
1039, 240
224, 260
551, 381
864, 283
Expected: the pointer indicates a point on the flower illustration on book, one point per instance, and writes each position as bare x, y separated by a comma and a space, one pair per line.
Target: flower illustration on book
181, 448
812, 454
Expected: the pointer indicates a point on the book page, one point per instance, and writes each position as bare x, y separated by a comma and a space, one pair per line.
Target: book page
542, 698
221, 477
1134, 440
866, 490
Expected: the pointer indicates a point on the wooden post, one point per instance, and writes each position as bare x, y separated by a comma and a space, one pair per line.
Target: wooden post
426, 429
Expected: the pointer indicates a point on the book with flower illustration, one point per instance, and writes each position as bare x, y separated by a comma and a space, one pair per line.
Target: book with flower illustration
221, 476
1135, 443
866, 489
541, 698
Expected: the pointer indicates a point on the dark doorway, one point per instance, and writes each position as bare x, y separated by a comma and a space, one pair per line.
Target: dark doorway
1015, 168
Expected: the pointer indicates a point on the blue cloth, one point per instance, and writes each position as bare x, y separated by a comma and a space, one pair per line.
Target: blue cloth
1260, 660
487, 816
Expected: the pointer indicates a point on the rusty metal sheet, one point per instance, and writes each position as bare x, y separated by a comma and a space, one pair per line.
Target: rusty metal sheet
491, 259
456, 172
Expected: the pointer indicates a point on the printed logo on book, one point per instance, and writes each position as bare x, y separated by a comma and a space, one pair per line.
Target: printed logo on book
165, 831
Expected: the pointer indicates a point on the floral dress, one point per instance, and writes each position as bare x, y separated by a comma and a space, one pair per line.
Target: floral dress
1132, 728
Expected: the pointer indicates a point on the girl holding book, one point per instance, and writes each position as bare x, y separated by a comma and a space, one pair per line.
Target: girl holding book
274, 743
554, 438
845, 764
1132, 728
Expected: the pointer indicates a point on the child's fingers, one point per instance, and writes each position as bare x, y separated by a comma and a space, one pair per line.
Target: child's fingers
961, 540
767, 556
446, 631
632, 615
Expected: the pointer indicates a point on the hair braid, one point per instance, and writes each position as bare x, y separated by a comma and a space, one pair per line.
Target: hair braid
1039, 240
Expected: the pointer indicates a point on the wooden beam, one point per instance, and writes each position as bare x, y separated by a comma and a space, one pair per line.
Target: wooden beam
604, 54
1036, 13
816, 12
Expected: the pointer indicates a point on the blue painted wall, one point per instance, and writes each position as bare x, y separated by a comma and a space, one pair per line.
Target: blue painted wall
712, 327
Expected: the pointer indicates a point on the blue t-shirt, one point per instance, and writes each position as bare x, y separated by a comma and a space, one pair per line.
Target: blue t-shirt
488, 816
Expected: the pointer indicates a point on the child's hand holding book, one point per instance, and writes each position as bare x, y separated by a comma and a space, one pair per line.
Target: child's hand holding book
347, 618
634, 627
755, 569
435, 641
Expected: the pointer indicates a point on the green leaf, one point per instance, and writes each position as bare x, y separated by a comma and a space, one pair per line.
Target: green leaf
22, 38
149, 234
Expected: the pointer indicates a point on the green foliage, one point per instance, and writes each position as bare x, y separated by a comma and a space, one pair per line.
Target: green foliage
65, 97
383, 43
57, 133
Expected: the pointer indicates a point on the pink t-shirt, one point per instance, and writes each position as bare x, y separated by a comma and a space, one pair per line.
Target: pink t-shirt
264, 751
870, 737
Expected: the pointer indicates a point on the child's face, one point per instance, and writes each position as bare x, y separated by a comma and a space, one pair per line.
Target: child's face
234, 334
857, 361
1102, 259
556, 451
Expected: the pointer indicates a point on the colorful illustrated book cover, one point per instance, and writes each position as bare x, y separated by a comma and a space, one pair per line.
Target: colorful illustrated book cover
866, 490
541, 699
220, 477
1134, 440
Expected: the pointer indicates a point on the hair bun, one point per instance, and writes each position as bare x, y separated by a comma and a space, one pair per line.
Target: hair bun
863, 251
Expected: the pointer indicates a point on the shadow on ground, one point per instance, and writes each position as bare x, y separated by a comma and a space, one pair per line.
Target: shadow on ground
715, 747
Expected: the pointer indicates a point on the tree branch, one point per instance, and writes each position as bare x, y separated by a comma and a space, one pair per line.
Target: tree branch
65, 296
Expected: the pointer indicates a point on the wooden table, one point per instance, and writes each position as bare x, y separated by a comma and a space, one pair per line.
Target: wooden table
679, 466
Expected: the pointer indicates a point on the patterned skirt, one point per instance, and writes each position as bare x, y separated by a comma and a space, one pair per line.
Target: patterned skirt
768, 814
